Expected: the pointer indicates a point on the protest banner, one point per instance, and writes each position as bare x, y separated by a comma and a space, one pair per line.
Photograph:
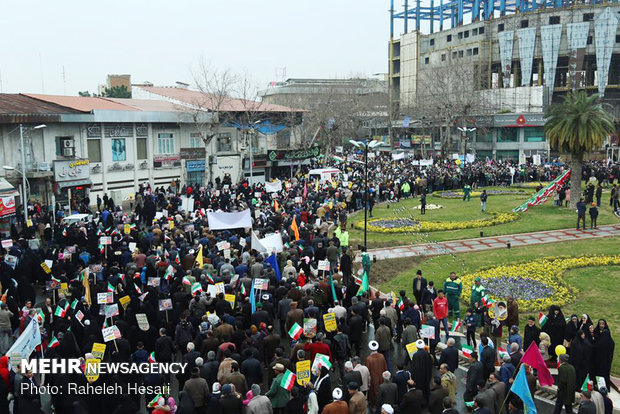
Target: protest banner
329, 319
98, 350
303, 372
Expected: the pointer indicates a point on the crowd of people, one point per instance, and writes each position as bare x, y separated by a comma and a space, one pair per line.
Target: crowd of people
196, 288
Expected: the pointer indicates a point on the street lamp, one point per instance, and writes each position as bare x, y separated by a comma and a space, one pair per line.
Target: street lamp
465, 130
365, 146
22, 129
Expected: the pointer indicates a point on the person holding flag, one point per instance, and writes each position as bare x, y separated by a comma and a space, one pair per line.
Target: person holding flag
566, 383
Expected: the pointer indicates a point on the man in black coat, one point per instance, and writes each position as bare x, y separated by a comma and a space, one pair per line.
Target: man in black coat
450, 356
474, 378
356, 327
487, 358
413, 401
419, 284
438, 393
531, 333
422, 369
164, 347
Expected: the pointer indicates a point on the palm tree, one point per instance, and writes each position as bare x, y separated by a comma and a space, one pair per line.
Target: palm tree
577, 126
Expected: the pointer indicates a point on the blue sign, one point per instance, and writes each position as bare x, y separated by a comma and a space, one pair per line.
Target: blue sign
406, 121
194, 166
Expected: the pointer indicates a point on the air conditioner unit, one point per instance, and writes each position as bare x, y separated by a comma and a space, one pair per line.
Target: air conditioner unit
67, 151
67, 143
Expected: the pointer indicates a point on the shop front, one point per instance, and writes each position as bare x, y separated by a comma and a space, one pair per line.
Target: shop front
195, 172
7, 206
71, 183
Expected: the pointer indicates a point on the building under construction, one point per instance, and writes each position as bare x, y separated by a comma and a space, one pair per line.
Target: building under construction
476, 76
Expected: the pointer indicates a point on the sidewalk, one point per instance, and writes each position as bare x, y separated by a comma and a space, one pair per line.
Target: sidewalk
495, 242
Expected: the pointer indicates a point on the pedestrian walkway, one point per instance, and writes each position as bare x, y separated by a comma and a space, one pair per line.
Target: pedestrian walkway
495, 242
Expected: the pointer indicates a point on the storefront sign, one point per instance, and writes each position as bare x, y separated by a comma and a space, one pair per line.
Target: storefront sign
198, 153
300, 154
71, 170
194, 166
166, 161
7, 206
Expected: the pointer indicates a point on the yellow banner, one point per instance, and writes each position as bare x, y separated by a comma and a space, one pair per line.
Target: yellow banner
124, 301
329, 319
98, 350
230, 299
303, 372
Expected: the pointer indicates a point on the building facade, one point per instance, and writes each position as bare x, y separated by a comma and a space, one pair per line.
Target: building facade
497, 75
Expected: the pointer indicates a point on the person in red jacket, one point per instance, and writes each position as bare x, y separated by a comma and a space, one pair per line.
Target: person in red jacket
317, 347
440, 309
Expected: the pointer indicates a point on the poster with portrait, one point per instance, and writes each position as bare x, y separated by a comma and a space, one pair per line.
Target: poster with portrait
119, 150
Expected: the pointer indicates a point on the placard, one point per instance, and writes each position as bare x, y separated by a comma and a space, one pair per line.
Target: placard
324, 265
105, 240
310, 327
79, 315
46, 268
127, 228
102, 298
52, 285
261, 284
412, 348
111, 333
427, 332
189, 228
226, 253
124, 301
230, 299
98, 350
154, 281
242, 242
111, 310
64, 289
329, 319
132, 246
7, 244
222, 245
143, 321
165, 304
219, 288
303, 372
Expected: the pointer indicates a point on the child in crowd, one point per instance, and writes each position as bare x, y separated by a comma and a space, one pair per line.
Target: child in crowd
472, 323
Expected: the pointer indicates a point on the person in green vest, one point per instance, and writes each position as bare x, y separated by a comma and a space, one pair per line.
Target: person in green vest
343, 236
405, 189
477, 293
453, 287
365, 261
467, 192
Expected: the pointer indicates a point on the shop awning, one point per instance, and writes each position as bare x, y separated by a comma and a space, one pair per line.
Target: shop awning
7, 189
76, 183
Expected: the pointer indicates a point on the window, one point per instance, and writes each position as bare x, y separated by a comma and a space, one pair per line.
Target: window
500, 27
141, 150
454, 55
588, 17
449, 38
508, 135
460, 35
119, 149
224, 142
426, 60
443, 57
525, 23
466, 33
534, 134
460, 53
284, 138
468, 52
432, 42
554, 20
195, 141
165, 143
474, 32
617, 38
488, 137
589, 40
94, 150
480, 30
475, 51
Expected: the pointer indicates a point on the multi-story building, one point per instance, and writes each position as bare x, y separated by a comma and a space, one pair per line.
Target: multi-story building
496, 74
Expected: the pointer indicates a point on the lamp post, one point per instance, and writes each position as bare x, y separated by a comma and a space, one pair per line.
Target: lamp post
365, 146
22, 129
465, 130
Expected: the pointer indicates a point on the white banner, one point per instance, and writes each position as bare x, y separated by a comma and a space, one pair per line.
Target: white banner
506, 43
527, 42
604, 36
218, 220
267, 244
423, 163
27, 341
397, 157
550, 37
273, 187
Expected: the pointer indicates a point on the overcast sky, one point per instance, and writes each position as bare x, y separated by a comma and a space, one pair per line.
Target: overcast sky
163, 41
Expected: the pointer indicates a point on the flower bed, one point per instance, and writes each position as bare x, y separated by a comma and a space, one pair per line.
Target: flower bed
536, 285
408, 225
459, 194
429, 207
533, 184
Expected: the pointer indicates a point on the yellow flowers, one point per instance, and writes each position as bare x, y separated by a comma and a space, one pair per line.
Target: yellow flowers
406, 225
536, 285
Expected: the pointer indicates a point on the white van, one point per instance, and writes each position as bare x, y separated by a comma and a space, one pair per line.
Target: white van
327, 174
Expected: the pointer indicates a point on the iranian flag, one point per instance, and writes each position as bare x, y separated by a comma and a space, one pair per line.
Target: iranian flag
186, 281
110, 287
196, 288
400, 304
288, 380
542, 319
153, 402
138, 291
60, 311
587, 385
456, 325
295, 331
74, 304
502, 353
322, 361
487, 301
41, 317
152, 357
467, 350
210, 279
168, 273
53, 342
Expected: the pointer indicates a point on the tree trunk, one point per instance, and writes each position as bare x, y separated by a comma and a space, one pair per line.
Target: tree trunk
575, 179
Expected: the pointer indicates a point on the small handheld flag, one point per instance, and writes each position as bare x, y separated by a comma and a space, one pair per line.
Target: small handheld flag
467, 350
455, 326
152, 357
295, 331
288, 380
196, 288
542, 319
53, 342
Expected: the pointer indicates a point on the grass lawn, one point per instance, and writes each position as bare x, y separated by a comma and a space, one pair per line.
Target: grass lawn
545, 217
599, 287
599, 290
